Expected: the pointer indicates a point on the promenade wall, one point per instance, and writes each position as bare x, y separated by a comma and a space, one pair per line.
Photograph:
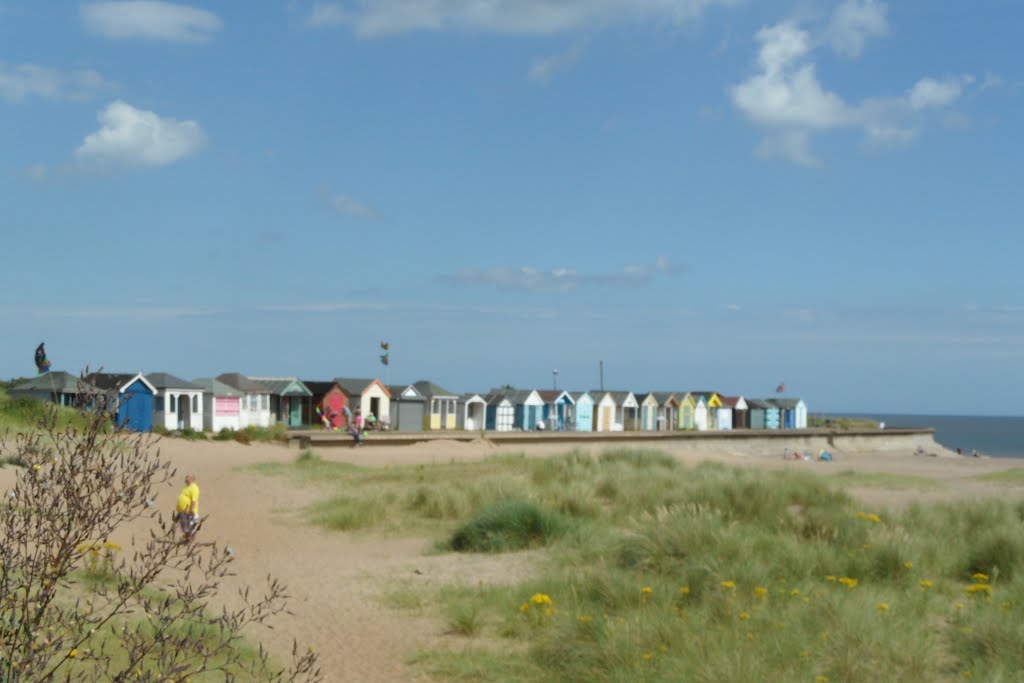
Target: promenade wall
741, 442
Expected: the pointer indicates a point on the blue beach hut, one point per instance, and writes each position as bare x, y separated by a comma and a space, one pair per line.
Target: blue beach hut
133, 395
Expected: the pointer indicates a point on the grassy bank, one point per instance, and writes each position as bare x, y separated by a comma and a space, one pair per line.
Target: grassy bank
659, 572
20, 414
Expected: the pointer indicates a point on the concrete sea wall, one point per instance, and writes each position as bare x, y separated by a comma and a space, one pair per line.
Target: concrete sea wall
740, 442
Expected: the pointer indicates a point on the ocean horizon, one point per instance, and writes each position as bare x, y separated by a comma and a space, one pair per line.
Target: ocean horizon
996, 436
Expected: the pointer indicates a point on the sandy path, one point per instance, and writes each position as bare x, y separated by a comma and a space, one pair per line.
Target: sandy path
335, 579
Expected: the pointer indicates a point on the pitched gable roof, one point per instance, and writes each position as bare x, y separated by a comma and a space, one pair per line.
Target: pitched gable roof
319, 387
428, 388
216, 387
284, 386
63, 382
165, 380
242, 383
356, 386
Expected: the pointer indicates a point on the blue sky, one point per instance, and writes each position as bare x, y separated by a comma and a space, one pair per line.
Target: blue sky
702, 194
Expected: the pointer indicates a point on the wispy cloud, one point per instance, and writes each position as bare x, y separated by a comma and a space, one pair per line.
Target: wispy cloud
853, 22
383, 17
786, 98
150, 20
344, 205
23, 81
545, 68
558, 280
130, 137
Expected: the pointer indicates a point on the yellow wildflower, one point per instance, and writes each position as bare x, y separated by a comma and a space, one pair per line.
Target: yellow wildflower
875, 519
848, 582
795, 592
925, 583
744, 616
73, 653
584, 619
908, 565
729, 585
830, 578
883, 607
975, 588
979, 577
524, 608
760, 592
685, 590
647, 655
541, 599
820, 679
646, 590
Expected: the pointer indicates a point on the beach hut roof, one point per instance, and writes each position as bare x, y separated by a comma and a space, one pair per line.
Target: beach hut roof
319, 387
760, 403
242, 383
355, 386
62, 382
165, 380
284, 386
428, 388
784, 403
116, 380
216, 387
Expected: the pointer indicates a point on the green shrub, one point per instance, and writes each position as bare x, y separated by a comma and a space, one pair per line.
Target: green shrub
225, 434
995, 552
508, 525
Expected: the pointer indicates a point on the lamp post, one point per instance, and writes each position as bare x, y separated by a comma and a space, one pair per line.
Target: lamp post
554, 375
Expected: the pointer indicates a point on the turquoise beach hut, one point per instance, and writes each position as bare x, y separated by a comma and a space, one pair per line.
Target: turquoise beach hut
584, 421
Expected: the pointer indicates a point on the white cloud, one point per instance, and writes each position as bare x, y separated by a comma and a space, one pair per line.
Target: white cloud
785, 97
559, 279
929, 92
384, 17
149, 20
853, 22
22, 81
787, 92
135, 137
544, 69
346, 206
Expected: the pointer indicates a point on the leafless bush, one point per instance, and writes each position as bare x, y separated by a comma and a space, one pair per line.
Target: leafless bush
149, 614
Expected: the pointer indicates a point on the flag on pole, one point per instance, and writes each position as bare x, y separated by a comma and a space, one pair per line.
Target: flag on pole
42, 363
385, 359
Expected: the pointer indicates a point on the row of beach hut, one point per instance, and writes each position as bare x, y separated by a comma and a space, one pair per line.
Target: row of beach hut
235, 401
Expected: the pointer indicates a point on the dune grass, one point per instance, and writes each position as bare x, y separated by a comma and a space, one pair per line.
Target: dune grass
1014, 475
20, 414
888, 480
708, 573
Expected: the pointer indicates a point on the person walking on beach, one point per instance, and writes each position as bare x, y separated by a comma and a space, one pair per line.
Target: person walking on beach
356, 428
187, 509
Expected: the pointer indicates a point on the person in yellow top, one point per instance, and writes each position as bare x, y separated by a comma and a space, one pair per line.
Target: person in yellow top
187, 508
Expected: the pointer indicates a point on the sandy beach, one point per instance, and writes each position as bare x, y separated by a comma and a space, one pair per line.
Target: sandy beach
336, 579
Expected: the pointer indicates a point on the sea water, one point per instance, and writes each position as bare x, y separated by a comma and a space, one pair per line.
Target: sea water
996, 436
